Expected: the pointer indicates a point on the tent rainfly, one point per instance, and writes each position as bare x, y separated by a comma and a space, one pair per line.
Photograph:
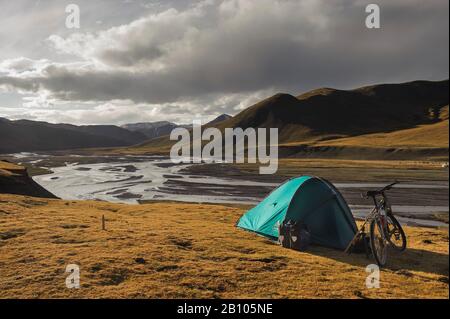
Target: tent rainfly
311, 200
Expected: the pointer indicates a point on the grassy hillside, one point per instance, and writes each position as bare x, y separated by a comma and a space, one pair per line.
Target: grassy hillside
328, 113
189, 251
322, 122
434, 135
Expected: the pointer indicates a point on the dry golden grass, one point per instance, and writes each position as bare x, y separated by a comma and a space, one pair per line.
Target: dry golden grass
424, 136
190, 251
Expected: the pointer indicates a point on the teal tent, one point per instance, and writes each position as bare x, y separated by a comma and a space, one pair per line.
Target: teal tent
311, 200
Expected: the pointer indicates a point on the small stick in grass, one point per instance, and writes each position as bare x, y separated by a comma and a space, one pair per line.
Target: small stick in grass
103, 222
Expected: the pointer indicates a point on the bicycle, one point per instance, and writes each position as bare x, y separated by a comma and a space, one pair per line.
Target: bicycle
385, 230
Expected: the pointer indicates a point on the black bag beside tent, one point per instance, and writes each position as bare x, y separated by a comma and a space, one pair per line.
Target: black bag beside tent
294, 235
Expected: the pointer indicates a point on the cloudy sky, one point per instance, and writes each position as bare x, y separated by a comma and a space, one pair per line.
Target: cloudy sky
143, 60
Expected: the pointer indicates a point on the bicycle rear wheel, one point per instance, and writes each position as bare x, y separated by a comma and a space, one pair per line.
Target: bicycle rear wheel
396, 236
378, 243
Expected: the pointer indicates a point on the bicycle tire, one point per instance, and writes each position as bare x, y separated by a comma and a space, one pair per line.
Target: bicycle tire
379, 255
397, 225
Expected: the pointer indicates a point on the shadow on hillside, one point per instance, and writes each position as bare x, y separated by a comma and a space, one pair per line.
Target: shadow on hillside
409, 260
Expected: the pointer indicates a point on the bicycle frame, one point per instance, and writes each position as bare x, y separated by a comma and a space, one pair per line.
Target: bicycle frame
375, 214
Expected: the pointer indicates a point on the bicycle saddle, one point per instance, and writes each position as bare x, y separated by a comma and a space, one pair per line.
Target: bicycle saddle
372, 193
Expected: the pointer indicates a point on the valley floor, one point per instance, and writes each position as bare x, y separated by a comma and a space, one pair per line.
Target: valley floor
175, 250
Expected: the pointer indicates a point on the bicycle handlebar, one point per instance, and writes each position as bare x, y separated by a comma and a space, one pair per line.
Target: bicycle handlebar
388, 187
380, 191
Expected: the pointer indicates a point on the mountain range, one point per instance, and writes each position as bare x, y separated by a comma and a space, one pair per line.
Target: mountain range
378, 118
151, 130
326, 114
29, 136
338, 121
156, 129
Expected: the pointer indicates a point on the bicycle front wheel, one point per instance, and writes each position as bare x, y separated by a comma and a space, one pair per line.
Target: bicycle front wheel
378, 242
396, 236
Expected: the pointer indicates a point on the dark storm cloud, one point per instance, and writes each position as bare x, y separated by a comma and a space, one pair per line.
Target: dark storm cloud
212, 49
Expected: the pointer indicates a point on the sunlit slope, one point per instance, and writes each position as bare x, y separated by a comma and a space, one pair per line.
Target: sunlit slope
429, 135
